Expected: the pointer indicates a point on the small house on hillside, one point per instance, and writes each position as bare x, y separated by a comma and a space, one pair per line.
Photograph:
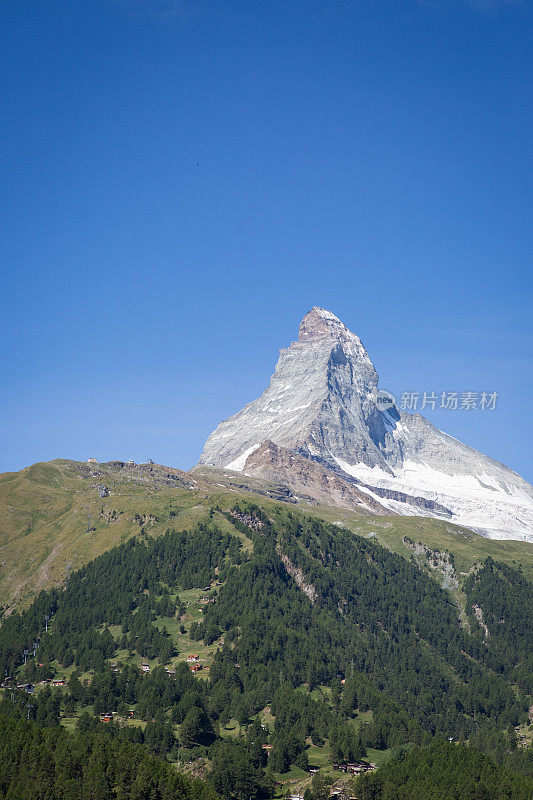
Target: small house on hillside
355, 768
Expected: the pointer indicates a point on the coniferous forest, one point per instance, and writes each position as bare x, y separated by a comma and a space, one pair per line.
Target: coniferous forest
323, 642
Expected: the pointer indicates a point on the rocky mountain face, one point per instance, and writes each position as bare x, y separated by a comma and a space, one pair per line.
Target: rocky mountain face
318, 429
309, 479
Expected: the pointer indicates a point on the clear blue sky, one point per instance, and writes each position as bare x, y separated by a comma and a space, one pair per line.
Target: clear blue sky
183, 180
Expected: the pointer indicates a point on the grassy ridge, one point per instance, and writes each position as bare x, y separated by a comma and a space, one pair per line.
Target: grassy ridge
52, 517
467, 547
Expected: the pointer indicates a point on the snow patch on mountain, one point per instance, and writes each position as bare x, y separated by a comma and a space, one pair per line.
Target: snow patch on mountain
238, 463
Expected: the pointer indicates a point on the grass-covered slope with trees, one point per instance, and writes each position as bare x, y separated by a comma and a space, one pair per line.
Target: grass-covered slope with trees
319, 646
54, 518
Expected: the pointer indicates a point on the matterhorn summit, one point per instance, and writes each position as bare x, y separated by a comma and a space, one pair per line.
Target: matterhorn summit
318, 428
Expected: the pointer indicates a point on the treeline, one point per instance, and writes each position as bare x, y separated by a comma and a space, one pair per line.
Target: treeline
443, 771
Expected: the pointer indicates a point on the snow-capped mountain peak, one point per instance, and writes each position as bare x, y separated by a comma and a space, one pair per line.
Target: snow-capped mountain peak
321, 405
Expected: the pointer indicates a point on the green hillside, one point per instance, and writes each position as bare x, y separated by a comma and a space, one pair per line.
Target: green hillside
260, 647
468, 548
53, 520
52, 517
